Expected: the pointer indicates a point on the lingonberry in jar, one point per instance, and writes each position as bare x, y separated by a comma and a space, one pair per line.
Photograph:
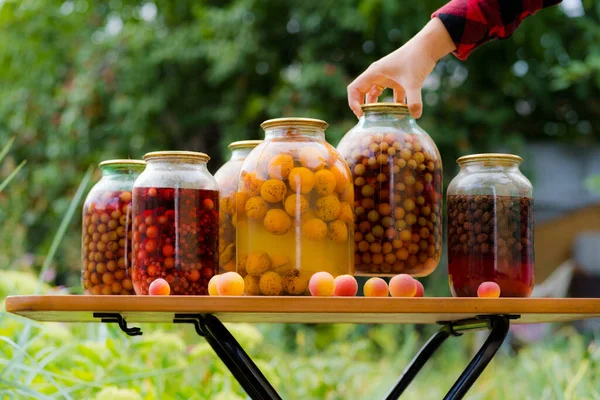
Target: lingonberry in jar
294, 210
227, 177
107, 224
490, 226
175, 223
397, 172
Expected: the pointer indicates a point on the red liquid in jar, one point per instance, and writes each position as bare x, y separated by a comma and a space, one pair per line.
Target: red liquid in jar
490, 238
175, 237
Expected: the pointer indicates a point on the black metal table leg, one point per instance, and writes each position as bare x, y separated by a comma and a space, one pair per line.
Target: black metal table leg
497, 324
233, 355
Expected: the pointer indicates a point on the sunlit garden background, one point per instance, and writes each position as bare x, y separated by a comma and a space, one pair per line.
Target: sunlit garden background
84, 81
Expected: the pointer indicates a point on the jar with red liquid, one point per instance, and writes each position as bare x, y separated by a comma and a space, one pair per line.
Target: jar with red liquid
106, 234
175, 223
227, 177
490, 226
397, 173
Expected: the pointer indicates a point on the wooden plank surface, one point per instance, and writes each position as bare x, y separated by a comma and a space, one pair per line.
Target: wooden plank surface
300, 309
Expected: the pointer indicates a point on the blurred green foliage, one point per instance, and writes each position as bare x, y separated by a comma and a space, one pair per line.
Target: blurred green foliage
84, 81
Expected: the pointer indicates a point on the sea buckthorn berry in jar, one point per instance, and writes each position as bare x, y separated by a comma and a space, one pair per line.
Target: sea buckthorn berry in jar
295, 210
397, 173
227, 177
490, 226
175, 223
107, 226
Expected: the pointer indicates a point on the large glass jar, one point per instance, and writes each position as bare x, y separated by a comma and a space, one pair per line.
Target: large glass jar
490, 226
227, 177
294, 205
175, 223
106, 235
397, 172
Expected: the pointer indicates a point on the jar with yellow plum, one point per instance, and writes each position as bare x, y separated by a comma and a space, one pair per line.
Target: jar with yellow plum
294, 204
227, 178
397, 173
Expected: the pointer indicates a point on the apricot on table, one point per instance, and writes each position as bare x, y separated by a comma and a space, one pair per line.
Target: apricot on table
270, 284
159, 287
273, 190
403, 285
321, 284
328, 208
257, 263
301, 180
295, 204
345, 285
338, 231
375, 287
420, 289
488, 289
212, 285
324, 182
256, 208
314, 229
251, 285
230, 284
280, 166
277, 222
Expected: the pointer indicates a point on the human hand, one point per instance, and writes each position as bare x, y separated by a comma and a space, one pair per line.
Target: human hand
403, 70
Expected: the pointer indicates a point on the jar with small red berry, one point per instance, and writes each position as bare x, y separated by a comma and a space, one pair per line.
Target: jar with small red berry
175, 223
106, 235
227, 177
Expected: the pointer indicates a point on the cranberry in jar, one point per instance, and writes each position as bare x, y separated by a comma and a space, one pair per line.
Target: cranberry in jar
175, 223
106, 234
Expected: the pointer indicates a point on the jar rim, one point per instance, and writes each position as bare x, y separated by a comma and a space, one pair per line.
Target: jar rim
243, 144
490, 157
181, 155
294, 122
385, 107
124, 162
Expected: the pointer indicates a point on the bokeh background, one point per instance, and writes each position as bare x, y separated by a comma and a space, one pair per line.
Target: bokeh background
84, 81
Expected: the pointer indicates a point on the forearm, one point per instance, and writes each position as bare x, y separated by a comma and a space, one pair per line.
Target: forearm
470, 23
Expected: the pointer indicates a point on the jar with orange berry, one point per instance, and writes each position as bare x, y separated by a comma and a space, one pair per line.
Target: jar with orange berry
294, 203
397, 174
175, 223
227, 177
106, 236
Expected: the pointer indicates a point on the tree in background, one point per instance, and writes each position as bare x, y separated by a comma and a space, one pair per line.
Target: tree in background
83, 81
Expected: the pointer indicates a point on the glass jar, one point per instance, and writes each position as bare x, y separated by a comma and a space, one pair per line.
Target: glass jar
397, 172
175, 223
106, 234
227, 177
490, 226
295, 213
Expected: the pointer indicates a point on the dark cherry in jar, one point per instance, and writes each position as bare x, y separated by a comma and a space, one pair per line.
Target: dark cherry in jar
175, 237
490, 238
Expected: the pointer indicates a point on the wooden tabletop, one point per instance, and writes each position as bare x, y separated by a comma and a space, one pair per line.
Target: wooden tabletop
71, 308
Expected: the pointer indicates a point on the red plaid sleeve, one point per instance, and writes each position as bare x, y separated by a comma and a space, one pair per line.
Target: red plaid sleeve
471, 23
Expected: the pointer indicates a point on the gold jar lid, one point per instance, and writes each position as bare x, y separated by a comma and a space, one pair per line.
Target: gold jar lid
385, 107
183, 156
490, 158
294, 122
244, 144
123, 162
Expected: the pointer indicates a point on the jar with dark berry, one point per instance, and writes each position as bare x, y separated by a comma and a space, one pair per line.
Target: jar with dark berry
490, 226
227, 177
294, 209
106, 236
397, 172
175, 223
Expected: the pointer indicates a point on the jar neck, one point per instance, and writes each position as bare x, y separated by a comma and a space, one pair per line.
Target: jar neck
487, 166
112, 171
400, 116
240, 154
171, 164
294, 132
